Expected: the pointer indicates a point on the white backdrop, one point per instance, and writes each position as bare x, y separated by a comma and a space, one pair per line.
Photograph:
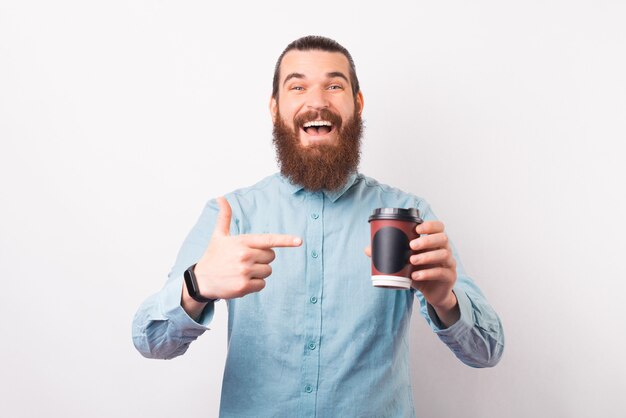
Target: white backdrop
119, 119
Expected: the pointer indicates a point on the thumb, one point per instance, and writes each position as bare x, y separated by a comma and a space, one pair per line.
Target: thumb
368, 251
222, 225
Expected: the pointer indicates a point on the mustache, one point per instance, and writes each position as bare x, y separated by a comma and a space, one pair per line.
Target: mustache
323, 114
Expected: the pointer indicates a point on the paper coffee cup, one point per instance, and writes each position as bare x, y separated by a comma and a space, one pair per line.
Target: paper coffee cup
391, 231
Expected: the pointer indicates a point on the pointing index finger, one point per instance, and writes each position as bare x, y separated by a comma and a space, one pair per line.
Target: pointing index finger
267, 241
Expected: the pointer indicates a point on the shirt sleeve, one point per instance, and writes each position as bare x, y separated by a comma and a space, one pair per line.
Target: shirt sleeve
477, 338
161, 328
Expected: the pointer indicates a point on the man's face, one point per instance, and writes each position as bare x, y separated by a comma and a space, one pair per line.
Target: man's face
317, 120
314, 82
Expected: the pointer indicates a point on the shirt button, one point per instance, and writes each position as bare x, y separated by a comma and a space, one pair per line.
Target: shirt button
314, 215
308, 389
312, 345
314, 254
313, 299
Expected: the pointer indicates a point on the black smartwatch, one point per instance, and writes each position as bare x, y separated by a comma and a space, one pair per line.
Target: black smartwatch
192, 286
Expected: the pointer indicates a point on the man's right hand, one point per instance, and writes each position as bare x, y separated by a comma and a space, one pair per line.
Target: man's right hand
233, 266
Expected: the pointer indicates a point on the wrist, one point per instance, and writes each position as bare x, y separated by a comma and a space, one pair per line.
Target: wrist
193, 308
448, 303
448, 310
193, 289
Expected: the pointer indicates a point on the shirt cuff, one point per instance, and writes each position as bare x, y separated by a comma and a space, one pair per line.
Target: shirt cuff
464, 323
174, 312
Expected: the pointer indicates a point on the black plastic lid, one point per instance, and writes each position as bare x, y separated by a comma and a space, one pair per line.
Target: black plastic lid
396, 214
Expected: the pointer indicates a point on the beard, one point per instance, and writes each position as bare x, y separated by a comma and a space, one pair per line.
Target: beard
318, 166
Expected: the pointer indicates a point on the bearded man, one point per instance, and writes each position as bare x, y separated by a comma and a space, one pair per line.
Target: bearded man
309, 335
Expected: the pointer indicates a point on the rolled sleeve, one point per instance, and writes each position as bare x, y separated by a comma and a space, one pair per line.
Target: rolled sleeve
477, 338
172, 309
464, 322
162, 329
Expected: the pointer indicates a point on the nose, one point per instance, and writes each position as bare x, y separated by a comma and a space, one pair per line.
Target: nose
316, 99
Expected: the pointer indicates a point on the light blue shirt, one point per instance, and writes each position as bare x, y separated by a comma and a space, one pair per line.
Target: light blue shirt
319, 340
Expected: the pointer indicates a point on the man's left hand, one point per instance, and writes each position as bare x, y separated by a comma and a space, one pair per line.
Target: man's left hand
434, 273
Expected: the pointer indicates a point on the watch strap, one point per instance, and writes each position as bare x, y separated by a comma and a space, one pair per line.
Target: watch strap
192, 286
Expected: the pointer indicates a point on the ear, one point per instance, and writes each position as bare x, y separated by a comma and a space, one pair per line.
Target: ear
359, 102
273, 109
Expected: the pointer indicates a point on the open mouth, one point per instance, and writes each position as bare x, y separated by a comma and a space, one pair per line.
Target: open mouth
318, 127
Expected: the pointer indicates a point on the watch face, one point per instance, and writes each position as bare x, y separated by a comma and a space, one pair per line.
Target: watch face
190, 281
192, 286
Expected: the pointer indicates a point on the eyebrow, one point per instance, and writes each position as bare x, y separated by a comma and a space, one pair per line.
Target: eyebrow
337, 74
332, 74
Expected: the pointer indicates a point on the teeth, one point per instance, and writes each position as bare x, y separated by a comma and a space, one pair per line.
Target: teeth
317, 123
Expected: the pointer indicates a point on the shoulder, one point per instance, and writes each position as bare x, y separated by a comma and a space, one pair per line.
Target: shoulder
246, 194
259, 199
267, 183
371, 185
390, 196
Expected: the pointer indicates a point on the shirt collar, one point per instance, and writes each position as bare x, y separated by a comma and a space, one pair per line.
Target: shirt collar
332, 195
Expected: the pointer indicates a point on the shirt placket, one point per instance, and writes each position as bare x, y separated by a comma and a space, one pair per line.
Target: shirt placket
313, 303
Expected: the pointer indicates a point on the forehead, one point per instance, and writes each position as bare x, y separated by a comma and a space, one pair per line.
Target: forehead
313, 63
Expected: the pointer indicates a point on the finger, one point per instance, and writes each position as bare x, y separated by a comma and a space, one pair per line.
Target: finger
437, 257
255, 285
222, 224
430, 227
425, 267
260, 271
432, 274
262, 256
430, 241
267, 241
368, 251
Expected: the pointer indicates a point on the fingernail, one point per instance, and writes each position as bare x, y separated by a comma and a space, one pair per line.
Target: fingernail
297, 241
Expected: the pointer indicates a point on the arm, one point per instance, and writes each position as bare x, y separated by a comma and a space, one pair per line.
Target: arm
226, 267
470, 327
477, 338
462, 318
162, 328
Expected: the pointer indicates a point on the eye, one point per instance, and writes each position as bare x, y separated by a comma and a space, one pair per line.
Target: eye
335, 87
298, 88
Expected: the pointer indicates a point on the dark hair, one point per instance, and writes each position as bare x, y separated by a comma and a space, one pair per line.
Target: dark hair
308, 43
